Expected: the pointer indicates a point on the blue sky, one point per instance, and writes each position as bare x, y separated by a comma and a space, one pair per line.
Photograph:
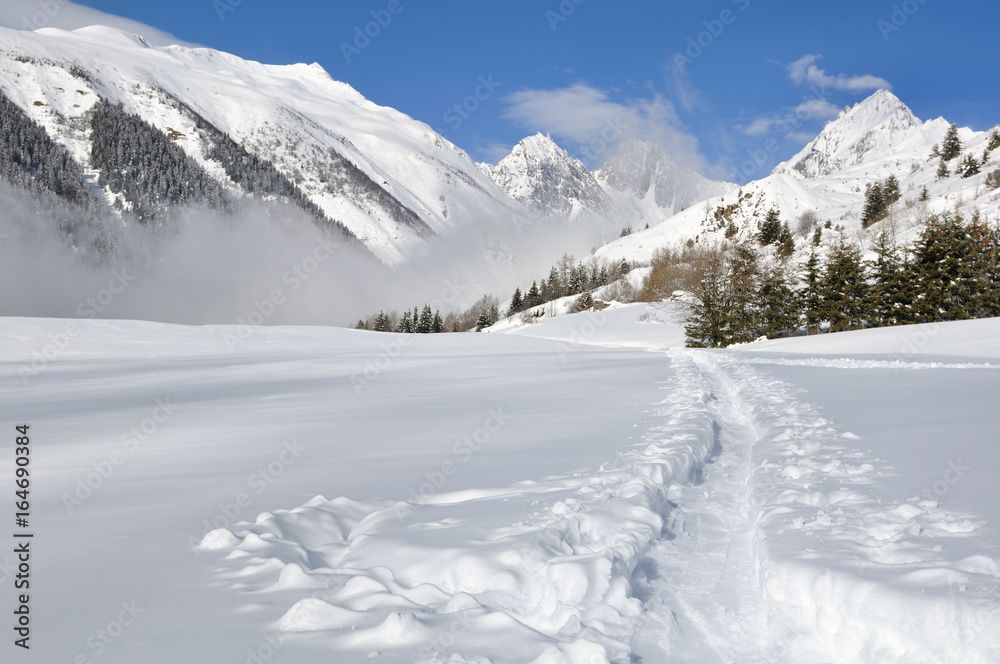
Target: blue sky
708, 80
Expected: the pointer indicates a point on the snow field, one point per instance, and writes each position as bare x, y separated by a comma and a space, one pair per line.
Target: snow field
557, 582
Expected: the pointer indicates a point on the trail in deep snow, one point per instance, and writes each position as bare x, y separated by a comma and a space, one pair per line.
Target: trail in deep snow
743, 528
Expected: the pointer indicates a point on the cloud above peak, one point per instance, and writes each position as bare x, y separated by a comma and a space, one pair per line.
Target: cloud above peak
805, 72
595, 124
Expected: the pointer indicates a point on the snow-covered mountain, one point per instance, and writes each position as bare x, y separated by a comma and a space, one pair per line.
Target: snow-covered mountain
390, 180
544, 177
880, 126
643, 178
867, 143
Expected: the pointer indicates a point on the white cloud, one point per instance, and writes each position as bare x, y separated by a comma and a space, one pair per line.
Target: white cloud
818, 110
596, 124
36, 14
805, 72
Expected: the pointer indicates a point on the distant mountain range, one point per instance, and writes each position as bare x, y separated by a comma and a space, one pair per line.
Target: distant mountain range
225, 129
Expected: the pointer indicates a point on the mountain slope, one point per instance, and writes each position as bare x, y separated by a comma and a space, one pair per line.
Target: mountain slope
876, 138
390, 180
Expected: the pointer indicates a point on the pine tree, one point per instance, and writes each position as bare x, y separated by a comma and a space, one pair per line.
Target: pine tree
425, 321
623, 268
994, 141
706, 325
437, 325
924, 194
382, 323
626, 231
769, 230
951, 147
968, 167
810, 297
741, 306
952, 266
843, 287
516, 302
360, 325
777, 304
405, 323
942, 170
483, 321
890, 190
888, 294
534, 296
874, 205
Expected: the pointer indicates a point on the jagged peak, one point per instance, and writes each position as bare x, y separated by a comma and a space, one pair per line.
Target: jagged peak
872, 127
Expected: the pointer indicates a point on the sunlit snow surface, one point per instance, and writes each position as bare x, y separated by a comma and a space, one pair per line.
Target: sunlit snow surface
578, 490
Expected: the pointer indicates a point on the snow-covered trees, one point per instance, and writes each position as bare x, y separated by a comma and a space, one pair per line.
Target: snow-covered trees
879, 197
951, 147
951, 272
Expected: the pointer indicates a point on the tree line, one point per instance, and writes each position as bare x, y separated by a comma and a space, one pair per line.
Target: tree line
949, 272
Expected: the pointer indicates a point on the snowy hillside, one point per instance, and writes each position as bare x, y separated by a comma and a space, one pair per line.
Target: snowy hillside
546, 498
876, 138
389, 179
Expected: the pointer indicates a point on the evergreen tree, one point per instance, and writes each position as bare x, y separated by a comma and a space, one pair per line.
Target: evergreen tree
843, 287
942, 170
534, 296
741, 305
382, 323
483, 321
769, 230
890, 190
405, 323
626, 231
924, 194
951, 147
873, 210
968, 167
810, 297
994, 141
706, 326
952, 266
889, 293
437, 325
426, 320
360, 325
516, 302
777, 304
